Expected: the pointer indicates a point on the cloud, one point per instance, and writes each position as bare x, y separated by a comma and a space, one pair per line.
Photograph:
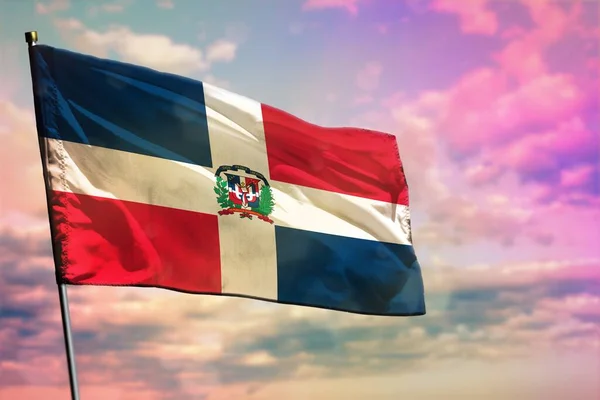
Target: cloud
151, 50
485, 173
535, 130
474, 15
565, 157
20, 152
482, 110
350, 6
52, 6
213, 80
221, 50
452, 217
155, 51
458, 220
516, 118
523, 55
560, 163
156, 341
368, 77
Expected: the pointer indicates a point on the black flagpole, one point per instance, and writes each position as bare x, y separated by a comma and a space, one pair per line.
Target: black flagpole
31, 38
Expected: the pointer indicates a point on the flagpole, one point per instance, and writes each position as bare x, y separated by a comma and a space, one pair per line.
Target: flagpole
31, 38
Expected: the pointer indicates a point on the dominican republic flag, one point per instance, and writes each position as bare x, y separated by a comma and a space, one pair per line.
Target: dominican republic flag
156, 180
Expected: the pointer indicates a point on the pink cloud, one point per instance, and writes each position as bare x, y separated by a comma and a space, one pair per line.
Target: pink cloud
480, 174
520, 125
482, 110
551, 18
466, 117
518, 116
523, 56
563, 162
350, 6
454, 218
570, 139
513, 32
474, 15
545, 99
578, 176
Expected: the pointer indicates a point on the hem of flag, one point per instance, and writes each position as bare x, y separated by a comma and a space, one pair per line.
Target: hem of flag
46, 113
243, 296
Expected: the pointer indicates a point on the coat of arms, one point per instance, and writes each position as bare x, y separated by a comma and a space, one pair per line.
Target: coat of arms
243, 191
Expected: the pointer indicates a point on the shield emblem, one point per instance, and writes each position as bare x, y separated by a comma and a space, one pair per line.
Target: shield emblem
243, 191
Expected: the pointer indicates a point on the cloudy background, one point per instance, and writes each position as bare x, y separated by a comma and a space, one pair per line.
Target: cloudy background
495, 104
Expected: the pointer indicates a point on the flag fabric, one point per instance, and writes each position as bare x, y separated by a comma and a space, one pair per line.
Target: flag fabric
157, 180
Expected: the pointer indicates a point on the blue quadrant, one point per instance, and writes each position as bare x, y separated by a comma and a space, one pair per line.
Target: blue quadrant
121, 106
343, 273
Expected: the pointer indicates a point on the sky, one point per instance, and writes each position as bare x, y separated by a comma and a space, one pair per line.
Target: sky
496, 109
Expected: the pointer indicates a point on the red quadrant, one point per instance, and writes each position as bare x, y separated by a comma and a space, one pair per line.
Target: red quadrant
344, 160
112, 242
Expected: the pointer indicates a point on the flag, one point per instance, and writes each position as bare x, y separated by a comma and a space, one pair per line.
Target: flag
157, 180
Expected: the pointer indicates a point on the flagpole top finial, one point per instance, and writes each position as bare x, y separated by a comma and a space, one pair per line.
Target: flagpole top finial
31, 38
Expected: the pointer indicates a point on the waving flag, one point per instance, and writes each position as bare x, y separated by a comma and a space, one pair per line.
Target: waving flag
157, 180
